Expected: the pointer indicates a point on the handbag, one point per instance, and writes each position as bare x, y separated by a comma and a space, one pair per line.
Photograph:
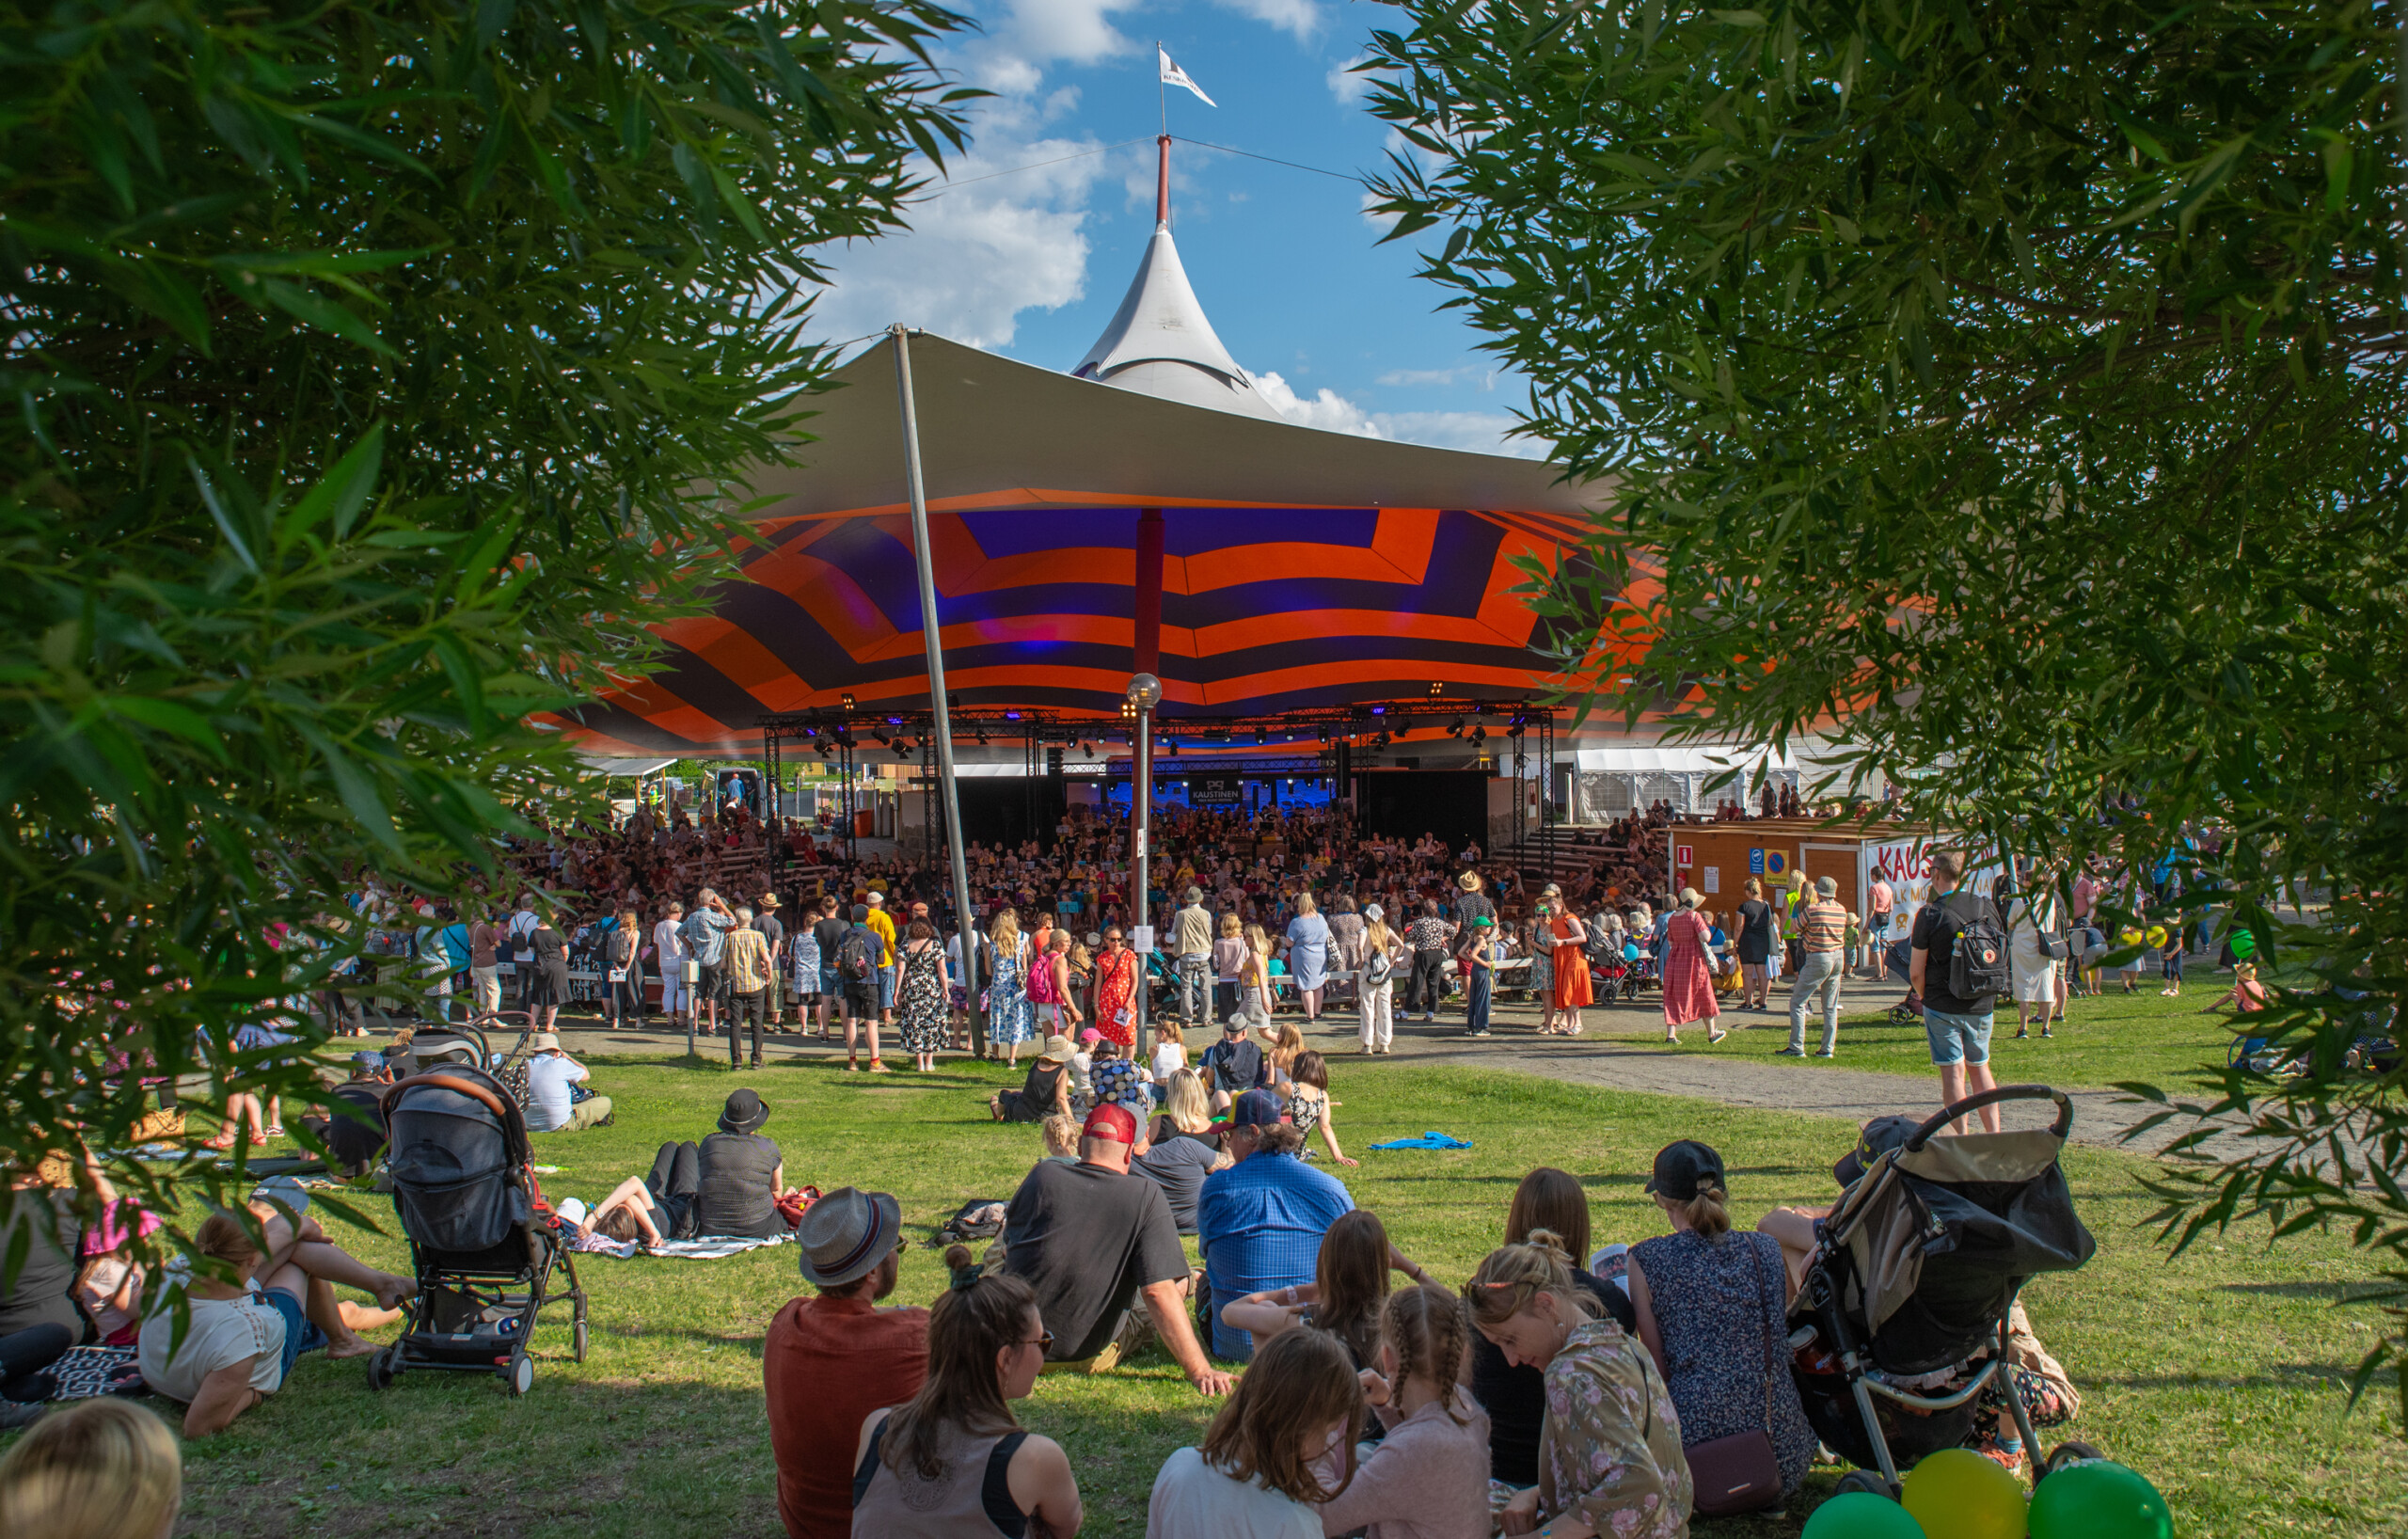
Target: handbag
1740, 1473
2055, 944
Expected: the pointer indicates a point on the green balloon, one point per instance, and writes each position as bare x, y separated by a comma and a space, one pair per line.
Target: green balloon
1861, 1515
2099, 1501
2244, 945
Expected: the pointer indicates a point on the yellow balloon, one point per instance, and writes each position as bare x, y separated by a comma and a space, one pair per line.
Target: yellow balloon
1957, 1494
2156, 935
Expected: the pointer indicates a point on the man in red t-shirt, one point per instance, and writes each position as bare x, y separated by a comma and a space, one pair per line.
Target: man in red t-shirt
830, 1360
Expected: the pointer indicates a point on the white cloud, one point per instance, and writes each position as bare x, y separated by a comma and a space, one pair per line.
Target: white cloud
1381, 222
1479, 432
1344, 84
1301, 18
1425, 376
1077, 31
982, 246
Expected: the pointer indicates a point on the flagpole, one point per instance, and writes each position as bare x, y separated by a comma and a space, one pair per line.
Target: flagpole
1162, 86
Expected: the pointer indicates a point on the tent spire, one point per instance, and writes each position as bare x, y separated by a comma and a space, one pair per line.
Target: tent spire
1162, 184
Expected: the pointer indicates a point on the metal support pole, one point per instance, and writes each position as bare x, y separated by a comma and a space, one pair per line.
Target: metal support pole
1141, 800
932, 631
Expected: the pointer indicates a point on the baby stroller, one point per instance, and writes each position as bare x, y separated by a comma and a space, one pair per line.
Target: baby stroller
482, 1242
1915, 1274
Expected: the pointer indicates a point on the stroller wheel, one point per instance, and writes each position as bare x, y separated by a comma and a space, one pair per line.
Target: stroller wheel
518, 1374
1866, 1481
2066, 1453
382, 1366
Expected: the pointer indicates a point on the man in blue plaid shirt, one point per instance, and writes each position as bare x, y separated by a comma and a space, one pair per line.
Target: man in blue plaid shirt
1259, 1222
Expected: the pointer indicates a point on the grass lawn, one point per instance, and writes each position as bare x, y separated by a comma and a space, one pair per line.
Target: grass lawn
2104, 1041
2219, 1375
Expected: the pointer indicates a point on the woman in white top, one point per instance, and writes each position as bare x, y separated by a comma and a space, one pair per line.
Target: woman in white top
1267, 1464
2032, 918
243, 1337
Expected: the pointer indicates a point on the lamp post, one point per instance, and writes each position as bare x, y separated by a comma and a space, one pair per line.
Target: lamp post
1144, 693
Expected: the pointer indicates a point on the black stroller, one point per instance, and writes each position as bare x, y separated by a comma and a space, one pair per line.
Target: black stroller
1916, 1273
482, 1245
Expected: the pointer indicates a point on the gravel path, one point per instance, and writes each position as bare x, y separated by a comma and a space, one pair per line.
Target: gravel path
1619, 1064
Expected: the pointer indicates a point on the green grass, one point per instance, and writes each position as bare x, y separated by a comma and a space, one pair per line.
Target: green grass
2219, 1373
2104, 1041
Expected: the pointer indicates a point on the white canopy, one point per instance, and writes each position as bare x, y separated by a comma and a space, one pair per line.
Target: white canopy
632, 768
1003, 432
1161, 344
1675, 758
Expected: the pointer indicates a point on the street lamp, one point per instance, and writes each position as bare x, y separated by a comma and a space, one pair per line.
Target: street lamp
1144, 693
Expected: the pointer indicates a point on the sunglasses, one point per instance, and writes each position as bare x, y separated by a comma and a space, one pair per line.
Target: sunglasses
1044, 1341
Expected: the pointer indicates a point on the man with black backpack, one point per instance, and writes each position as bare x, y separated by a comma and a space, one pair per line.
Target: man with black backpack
856, 958
1957, 966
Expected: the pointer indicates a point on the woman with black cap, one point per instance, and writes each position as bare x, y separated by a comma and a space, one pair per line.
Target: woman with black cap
1711, 1303
742, 1174
954, 1462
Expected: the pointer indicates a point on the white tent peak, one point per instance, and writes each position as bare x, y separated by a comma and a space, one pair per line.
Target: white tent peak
1160, 342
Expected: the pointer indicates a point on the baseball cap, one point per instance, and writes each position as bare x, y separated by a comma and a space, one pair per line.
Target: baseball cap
1090, 1035
1683, 1167
1255, 1110
1877, 1138
1484, 922
1111, 1121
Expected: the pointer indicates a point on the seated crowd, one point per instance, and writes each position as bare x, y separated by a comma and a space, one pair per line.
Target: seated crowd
1556, 1390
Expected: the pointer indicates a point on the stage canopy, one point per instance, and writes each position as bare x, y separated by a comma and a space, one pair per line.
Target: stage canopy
1297, 567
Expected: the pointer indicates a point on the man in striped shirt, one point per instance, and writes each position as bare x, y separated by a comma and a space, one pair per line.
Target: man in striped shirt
1822, 927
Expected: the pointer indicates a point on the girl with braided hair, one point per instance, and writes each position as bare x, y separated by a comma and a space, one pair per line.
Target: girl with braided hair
954, 1462
1609, 1452
1427, 1478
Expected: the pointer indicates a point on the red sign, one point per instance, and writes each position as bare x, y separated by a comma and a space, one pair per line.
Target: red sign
1685, 854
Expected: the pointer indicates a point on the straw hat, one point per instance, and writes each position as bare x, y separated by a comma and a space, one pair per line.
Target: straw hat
1058, 1049
1691, 898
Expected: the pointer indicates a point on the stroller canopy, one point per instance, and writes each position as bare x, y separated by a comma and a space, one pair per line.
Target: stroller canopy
1942, 1236
457, 1160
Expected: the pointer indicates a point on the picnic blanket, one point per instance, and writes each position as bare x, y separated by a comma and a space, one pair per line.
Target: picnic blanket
1433, 1140
710, 1249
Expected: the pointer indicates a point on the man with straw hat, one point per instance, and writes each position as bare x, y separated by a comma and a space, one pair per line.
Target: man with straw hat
830, 1360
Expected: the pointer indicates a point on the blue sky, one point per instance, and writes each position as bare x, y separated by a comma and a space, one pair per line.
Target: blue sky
1334, 326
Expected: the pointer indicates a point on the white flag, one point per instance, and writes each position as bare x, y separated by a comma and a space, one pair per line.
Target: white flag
1174, 75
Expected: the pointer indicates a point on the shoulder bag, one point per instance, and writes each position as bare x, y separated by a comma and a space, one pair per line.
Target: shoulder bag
1740, 1473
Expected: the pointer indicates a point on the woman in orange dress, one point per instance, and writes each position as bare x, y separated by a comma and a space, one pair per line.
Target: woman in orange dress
1569, 940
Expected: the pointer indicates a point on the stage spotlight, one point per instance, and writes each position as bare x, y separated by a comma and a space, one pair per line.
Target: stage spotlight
880, 737
1480, 734
1260, 737
1087, 749
1513, 731
846, 700
1436, 689
1455, 727
982, 736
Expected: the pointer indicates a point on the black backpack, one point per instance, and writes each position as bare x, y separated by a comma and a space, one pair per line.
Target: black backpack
1236, 1066
1977, 961
857, 956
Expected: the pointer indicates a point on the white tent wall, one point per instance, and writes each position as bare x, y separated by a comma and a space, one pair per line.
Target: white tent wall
1612, 782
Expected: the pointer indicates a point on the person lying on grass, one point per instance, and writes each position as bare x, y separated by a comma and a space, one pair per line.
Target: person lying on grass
243, 1335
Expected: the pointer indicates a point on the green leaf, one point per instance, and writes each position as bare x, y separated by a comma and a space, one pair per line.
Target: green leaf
313, 309
345, 489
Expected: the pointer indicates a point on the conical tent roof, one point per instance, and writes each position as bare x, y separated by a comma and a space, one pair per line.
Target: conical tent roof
1160, 343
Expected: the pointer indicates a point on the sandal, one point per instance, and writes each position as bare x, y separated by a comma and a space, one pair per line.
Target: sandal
878, 1066
276, 1130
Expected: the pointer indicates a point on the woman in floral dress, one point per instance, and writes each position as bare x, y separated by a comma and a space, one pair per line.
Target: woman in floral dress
1610, 1450
921, 1006
1688, 970
1011, 1020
